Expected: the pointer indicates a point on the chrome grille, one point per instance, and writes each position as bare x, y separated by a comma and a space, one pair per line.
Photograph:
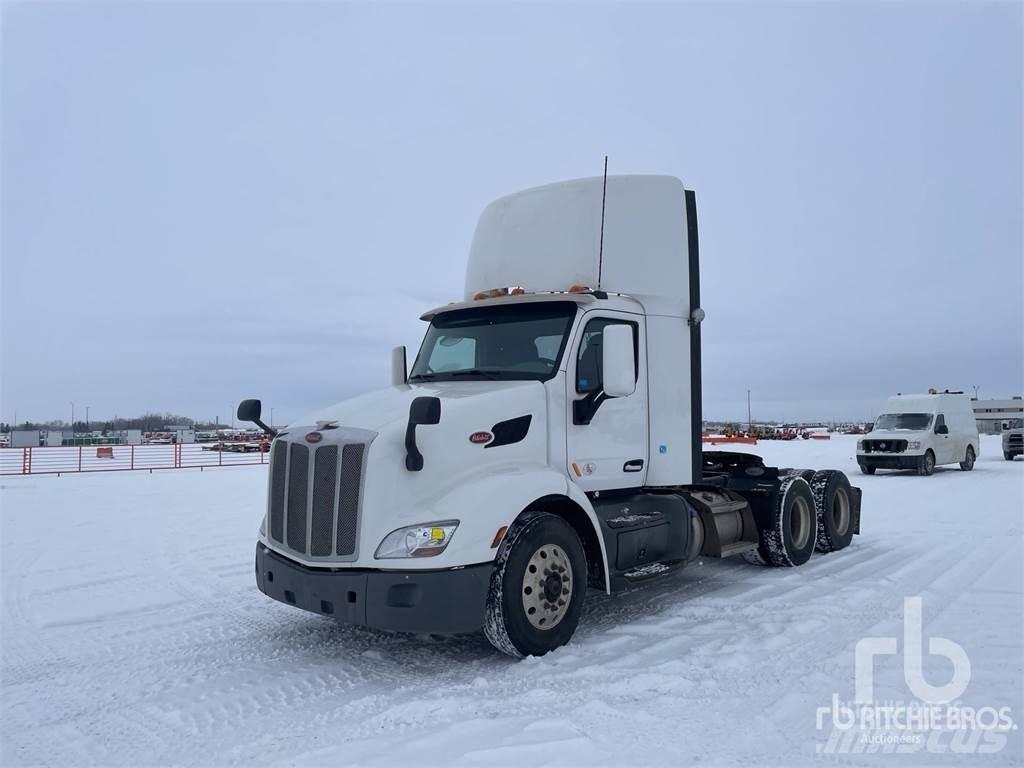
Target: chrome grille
348, 506
325, 478
278, 468
298, 491
885, 446
316, 494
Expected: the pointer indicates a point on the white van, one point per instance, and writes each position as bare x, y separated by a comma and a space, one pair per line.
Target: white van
921, 432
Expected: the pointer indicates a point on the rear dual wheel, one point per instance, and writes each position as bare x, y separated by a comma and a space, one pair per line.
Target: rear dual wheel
833, 504
789, 534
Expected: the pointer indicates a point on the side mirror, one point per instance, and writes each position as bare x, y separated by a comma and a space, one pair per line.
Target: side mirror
942, 429
425, 410
618, 363
249, 410
399, 372
422, 411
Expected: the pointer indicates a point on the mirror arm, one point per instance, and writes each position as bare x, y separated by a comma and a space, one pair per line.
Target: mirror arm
583, 410
268, 430
413, 457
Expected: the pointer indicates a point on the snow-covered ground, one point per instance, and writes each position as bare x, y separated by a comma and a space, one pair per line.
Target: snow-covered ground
133, 634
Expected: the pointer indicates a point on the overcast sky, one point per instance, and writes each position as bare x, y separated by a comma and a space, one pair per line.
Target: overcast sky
203, 202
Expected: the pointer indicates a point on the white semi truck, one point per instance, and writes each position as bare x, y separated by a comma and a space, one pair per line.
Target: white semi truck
546, 441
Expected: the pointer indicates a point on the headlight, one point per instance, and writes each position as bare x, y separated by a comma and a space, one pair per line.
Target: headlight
860, 445
914, 445
424, 540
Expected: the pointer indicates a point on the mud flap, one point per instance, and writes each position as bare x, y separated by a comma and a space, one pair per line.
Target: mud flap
855, 511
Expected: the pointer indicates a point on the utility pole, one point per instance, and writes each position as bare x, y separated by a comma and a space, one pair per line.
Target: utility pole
976, 391
750, 424
72, 418
87, 418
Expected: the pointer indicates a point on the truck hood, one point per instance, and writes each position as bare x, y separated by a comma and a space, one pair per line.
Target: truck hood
494, 400
475, 441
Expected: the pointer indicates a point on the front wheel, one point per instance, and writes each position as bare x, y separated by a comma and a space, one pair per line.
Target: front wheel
968, 463
867, 469
537, 586
1008, 456
927, 463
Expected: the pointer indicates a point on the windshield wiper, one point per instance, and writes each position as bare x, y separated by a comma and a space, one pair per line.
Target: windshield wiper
474, 372
452, 374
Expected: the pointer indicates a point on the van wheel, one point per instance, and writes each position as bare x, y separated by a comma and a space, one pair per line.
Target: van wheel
832, 503
1008, 456
537, 586
927, 463
791, 532
867, 470
968, 463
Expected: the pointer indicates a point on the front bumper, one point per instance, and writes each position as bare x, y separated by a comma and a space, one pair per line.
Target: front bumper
889, 460
447, 601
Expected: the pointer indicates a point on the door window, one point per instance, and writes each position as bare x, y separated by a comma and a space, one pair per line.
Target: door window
589, 375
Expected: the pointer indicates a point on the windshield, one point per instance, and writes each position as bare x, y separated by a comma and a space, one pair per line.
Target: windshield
915, 422
507, 342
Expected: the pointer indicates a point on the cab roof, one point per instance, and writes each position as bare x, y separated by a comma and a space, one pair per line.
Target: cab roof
626, 234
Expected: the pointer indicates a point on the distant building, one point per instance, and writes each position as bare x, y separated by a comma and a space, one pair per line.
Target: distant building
992, 413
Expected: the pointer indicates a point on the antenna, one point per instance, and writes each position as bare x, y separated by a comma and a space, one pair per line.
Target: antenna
600, 249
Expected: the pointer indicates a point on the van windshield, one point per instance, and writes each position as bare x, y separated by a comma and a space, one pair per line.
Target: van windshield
915, 422
507, 342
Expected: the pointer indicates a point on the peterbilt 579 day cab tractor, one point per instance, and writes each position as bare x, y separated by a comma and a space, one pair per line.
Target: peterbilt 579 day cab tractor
546, 440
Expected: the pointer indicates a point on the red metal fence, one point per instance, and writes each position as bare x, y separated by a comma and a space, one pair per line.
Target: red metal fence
123, 458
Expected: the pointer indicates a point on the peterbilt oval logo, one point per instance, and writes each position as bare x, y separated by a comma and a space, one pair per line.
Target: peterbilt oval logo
480, 438
314, 437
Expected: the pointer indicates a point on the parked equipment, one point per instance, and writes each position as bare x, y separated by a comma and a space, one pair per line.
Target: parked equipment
921, 432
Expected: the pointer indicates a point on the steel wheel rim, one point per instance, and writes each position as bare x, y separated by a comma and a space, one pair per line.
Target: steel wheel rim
841, 511
929, 462
800, 523
547, 587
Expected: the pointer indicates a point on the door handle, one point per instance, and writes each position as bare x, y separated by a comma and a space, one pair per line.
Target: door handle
633, 466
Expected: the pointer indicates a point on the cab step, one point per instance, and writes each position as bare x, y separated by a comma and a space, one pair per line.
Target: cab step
646, 572
738, 548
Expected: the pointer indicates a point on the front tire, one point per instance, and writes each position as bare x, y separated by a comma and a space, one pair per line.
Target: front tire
1008, 456
927, 463
537, 587
867, 470
789, 535
968, 463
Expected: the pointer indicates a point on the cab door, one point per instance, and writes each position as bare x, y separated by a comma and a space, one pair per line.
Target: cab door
607, 448
945, 445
